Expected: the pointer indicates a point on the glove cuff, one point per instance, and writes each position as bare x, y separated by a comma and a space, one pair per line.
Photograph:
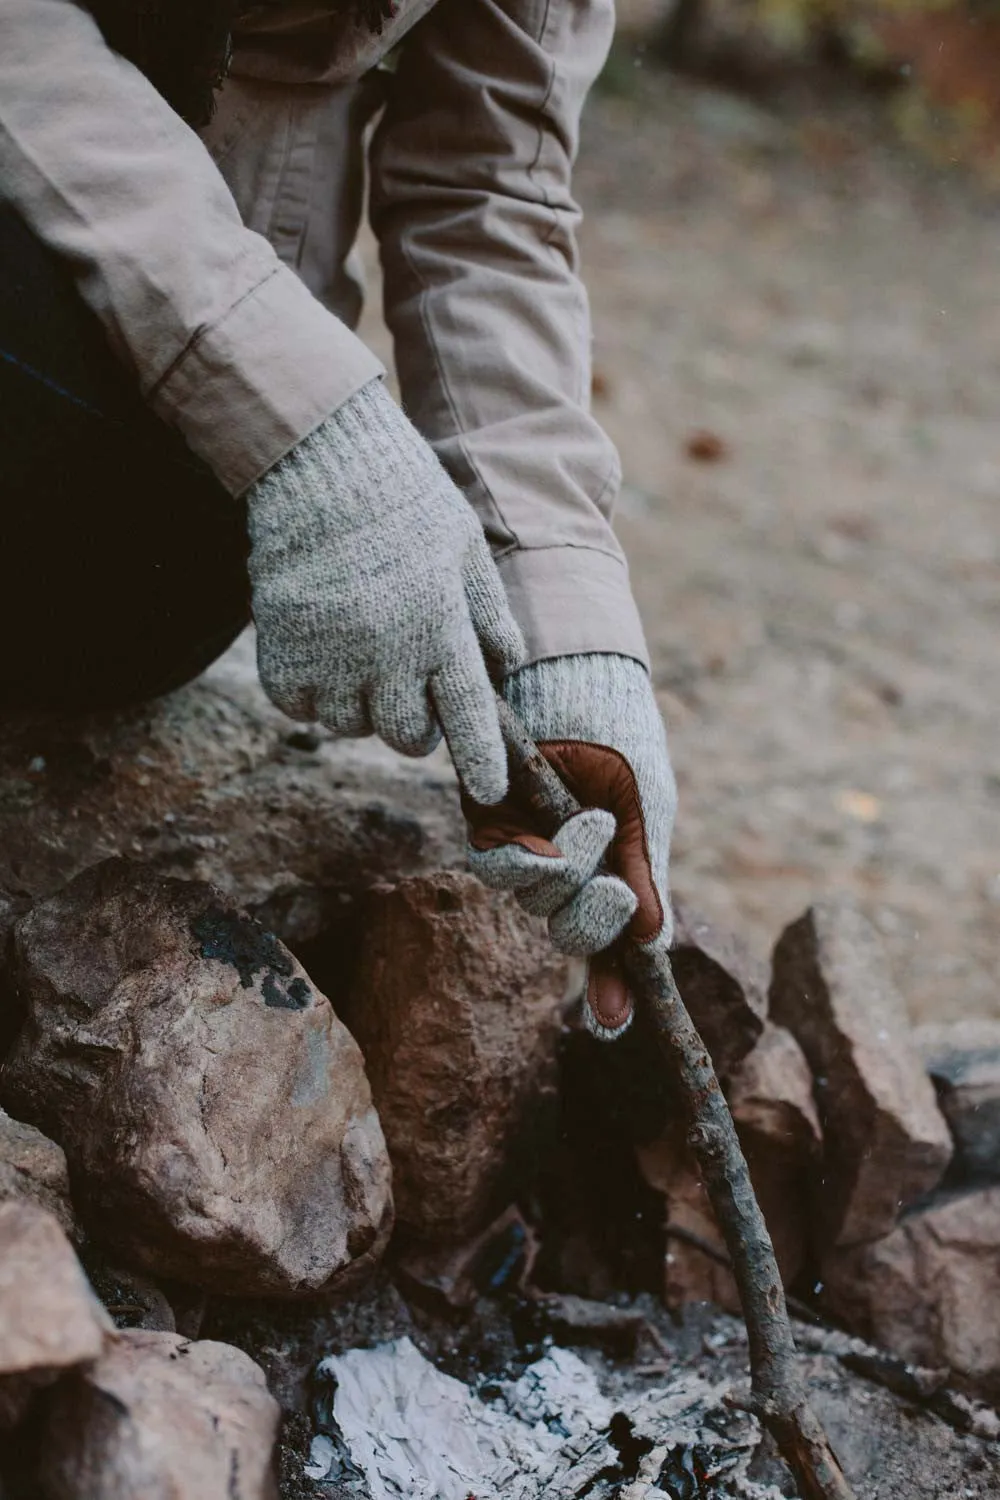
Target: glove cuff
599, 697
349, 466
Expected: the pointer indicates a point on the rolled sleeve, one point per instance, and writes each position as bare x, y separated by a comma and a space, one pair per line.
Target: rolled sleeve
261, 377
472, 205
569, 600
222, 338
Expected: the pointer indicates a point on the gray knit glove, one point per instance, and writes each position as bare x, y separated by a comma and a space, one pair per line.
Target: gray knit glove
375, 594
605, 871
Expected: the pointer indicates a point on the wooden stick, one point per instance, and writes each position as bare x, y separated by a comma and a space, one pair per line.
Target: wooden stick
778, 1395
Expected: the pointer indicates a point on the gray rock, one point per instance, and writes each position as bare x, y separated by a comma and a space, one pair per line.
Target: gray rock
33, 1167
723, 987
214, 1110
457, 1008
50, 1320
963, 1060
161, 1418
212, 783
930, 1290
886, 1142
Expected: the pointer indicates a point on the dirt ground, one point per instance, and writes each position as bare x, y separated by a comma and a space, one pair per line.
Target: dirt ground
823, 597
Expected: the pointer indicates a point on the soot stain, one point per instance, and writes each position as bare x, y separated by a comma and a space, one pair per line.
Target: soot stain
237, 940
295, 996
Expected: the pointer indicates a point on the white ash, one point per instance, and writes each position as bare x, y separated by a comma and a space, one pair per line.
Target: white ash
414, 1432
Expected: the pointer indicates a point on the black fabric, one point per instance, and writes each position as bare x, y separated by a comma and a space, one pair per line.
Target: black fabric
122, 558
184, 46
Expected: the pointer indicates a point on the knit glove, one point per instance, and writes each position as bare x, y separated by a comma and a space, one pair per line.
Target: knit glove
605, 871
375, 594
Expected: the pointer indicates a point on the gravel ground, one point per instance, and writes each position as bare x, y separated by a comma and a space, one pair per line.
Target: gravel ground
821, 587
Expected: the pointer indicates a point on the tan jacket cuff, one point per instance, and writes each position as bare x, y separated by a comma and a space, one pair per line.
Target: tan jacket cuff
572, 600
250, 387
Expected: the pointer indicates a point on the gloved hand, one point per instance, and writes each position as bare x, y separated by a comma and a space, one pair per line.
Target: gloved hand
596, 720
375, 594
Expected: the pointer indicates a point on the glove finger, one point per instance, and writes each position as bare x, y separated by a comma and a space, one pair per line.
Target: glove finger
509, 867
582, 842
401, 716
595, 918
293, 692
608, 1008
545, 874
465, 706
299, 703
345, 713
496, 629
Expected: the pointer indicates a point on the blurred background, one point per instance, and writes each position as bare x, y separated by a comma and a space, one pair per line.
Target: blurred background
790, 241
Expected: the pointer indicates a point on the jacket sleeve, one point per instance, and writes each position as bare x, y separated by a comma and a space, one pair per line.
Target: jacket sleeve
224, 341
472, 205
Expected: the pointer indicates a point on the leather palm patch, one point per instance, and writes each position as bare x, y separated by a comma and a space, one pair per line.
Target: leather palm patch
598, 777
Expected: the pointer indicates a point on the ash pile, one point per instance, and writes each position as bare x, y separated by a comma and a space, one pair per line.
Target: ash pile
311, 1183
